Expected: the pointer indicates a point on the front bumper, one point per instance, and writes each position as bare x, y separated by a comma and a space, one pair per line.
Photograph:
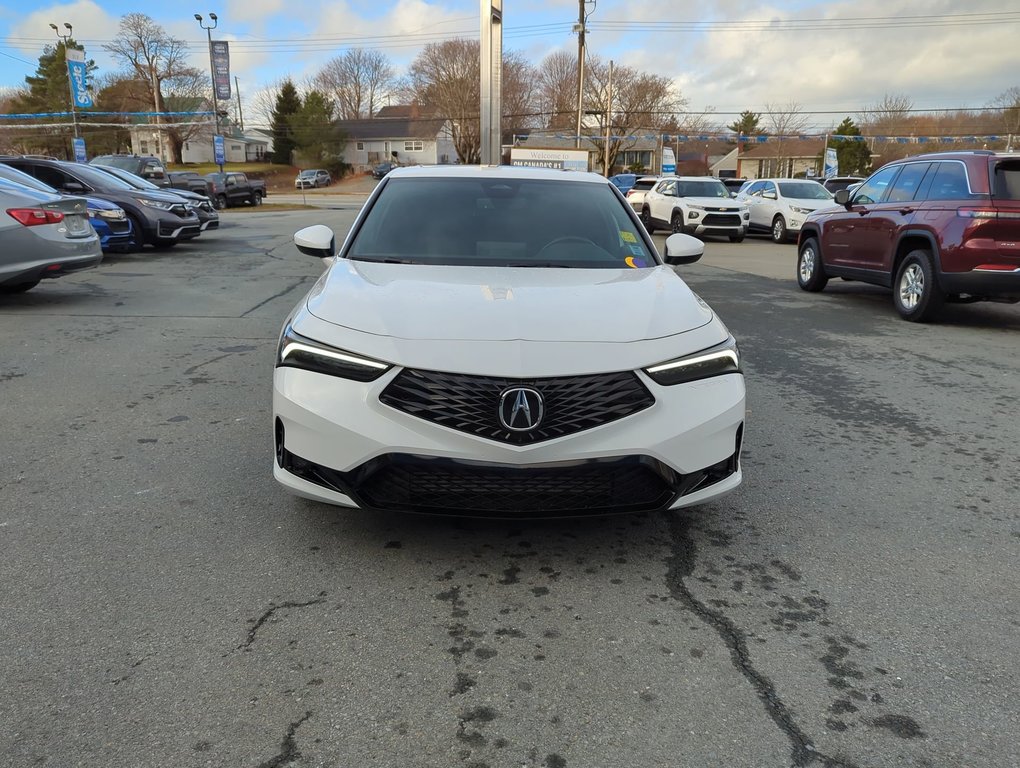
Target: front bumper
337, 443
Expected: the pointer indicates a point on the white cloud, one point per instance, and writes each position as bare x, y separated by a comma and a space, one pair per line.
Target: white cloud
89, 21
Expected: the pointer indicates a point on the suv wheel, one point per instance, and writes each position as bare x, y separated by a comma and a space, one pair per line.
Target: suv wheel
646, 219
916, 293
810, 270
779, 230
221, 202
676, 222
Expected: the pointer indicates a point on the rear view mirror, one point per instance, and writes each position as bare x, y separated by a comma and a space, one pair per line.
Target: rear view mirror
683, 249
317, 240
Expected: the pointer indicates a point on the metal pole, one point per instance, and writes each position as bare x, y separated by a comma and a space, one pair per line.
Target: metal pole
70, 86
609, 116
212, 75
240, 114
825, 149
491, 70
580, 70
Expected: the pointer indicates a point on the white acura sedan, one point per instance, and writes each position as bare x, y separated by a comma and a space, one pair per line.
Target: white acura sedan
497, 341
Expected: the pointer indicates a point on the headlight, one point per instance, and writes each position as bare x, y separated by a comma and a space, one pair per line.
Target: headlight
797, 209
163, 206
715, 361
295, 351
696, 207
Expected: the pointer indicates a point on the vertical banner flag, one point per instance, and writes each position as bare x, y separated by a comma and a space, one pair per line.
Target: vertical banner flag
668, 161
218, 154
831, 163
77, 75
79, 150
221, 69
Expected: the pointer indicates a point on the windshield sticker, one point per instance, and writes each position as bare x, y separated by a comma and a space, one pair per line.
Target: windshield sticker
628, 237
633, 263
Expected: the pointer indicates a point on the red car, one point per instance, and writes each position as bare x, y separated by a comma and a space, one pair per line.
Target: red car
935, 228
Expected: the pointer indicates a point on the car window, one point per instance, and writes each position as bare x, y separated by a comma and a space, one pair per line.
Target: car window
702, 189
1006, 180
907, 183
768, 188
501, 223
871, 191
949, 182
753, 188
51, 176
804, 190
644, 184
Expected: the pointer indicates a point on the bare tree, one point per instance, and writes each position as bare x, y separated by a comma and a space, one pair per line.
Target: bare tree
356, 82
159, 60
641, 101
1008, 103
890, 116
518, 92
784, 122
556, 84
261, 105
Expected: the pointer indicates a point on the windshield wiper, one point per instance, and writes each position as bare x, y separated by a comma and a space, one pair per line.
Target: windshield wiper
543, 264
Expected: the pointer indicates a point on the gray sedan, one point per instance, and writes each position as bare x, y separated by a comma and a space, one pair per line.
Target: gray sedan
42, 236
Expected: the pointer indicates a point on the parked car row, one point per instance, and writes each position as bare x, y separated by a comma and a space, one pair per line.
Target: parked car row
63, 216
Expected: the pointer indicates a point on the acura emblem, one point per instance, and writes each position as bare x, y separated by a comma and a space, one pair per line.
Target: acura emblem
521, 409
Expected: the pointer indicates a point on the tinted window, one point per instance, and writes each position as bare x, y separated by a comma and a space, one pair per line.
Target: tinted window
644, 184
100, 179
52, 176
20, 177
702, 189
872, 190
501, 223
907, 183
754, 188
950, 183
1006, 180
804, 190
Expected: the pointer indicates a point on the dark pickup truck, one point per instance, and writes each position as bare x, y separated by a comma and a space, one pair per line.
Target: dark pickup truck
235, 189
192, 181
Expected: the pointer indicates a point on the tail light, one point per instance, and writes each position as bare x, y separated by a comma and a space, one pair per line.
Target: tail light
986, 213
33, 217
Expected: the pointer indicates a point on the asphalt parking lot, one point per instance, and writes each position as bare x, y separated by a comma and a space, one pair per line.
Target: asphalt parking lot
166, 604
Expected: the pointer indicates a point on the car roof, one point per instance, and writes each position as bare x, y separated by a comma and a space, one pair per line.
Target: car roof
494, 172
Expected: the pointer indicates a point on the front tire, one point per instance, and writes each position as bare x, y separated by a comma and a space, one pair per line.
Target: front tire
736, 238
646, 219
221, 202
779, 233
810, 270
676, 222
137, 234
916, 291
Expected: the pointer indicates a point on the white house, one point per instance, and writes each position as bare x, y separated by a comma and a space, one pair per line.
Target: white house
397, 135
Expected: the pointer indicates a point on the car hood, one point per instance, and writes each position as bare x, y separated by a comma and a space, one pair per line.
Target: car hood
722, 203
813, 205
420, 302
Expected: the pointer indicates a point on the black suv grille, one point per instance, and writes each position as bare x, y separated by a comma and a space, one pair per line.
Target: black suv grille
471, 403
722, 220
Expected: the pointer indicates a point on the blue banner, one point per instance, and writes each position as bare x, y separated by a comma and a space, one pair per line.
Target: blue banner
219, 156
79, 150
79, 84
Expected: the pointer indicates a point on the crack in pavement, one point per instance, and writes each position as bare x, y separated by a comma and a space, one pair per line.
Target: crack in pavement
278, 295
680, 564
273, 608
288, 747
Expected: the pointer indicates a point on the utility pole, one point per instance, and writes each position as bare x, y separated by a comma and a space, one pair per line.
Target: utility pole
579, 28
491, 69
212, 71
70, 87
240, 114
609, 115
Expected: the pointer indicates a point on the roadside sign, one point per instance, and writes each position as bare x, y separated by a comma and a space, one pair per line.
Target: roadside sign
831, 163
668, 161
569, 159
79, 150
219, 156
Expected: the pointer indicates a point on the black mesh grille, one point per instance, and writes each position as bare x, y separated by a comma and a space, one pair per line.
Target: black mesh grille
117, 226
721, 220
422, 485
471, 403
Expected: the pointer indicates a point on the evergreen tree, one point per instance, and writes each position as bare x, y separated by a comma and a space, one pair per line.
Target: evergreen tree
854, 156
312, 130
48, 89
747, 125
288, 103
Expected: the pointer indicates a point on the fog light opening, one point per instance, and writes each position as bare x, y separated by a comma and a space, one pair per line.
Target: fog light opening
279, 432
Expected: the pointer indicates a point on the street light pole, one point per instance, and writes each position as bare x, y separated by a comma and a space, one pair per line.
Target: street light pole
212, 70
70, 87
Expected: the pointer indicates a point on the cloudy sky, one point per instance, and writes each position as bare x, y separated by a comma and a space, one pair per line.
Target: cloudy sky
828, 56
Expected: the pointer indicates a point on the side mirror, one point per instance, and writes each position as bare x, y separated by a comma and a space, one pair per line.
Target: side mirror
73, 187
317, 240
683, 249
769, 195
842, 197
733, 194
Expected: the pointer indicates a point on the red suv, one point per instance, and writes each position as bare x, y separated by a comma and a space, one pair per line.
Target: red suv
934, 228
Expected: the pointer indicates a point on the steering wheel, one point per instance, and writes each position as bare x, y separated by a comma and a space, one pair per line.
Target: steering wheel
597, 251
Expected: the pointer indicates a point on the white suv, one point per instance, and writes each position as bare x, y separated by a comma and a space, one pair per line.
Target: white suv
779, 206
694, 205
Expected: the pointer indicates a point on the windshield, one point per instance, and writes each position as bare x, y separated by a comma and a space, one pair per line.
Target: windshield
99, 179
129, 178
804, 190
702, 189
307, 174
501, 223
124, 163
